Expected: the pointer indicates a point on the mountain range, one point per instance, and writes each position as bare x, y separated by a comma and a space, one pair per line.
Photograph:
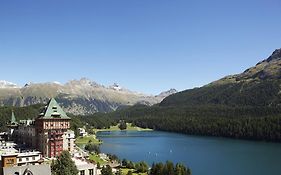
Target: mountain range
76, 96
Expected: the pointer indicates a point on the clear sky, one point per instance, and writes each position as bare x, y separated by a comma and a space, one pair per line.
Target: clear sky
144, 45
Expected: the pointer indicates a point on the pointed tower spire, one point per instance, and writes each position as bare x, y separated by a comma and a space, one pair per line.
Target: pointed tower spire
13, 118
53, 110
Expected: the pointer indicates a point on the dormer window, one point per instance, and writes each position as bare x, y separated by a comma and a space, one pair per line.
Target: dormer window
28, 172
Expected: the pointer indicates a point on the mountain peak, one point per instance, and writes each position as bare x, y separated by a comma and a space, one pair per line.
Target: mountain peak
275, 55
7, 84
269, 68
116, 87
168, 92
83, 82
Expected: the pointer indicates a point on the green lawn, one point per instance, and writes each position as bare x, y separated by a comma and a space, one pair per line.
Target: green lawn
124, 171
96, 158
86, 139
129, 128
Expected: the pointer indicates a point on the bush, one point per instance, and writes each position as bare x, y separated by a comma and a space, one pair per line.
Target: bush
91, 147
122, 125
141, 167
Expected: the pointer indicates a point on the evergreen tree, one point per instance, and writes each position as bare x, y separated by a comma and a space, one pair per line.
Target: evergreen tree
181, 170
122, 125
119, 172
141, 167
124, 162
168, 168
106, 170
91, 147
64, 165
98, 165
130, 165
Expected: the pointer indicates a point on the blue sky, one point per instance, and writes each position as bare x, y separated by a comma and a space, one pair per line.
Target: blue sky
144, 45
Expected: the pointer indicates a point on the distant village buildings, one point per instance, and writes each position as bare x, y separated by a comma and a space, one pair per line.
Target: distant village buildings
82, 132
45, 137
68, 140
43, 169
14, 162
84, 167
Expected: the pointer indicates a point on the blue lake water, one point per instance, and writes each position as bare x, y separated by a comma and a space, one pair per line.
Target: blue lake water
204, 155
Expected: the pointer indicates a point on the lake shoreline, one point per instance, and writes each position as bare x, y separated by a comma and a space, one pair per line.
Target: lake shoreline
130, 127
195, 151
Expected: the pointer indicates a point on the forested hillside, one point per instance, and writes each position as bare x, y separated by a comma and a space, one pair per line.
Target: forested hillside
253, 93
21, 113
246, 106
255, 123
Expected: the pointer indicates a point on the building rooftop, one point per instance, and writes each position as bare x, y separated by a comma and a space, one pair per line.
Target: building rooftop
32, 169
83, 164
53, 110
27, 122
12, 121
7, 148
29, 153
13, 118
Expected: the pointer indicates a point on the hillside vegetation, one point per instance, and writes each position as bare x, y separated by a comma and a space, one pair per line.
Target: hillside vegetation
245, 106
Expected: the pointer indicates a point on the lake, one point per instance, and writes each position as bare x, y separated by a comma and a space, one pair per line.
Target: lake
204, 155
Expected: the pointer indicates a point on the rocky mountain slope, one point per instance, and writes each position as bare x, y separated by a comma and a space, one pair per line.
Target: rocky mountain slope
259, 85
266, 69
77, 96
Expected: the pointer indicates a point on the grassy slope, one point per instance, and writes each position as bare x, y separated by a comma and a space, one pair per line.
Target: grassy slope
124, 171
86, 139
129, 128
97, 159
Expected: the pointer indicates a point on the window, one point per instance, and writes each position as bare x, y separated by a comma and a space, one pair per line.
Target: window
27, 159
33, 158
10, 161
28, 173
20, 159
82, 172
91, 172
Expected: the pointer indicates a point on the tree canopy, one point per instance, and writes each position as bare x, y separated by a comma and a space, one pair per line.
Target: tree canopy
64, 165
106, 170
169, 169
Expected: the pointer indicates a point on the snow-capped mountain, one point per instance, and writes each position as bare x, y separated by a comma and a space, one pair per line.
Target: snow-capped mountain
116, 87
7, 84
82, 96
